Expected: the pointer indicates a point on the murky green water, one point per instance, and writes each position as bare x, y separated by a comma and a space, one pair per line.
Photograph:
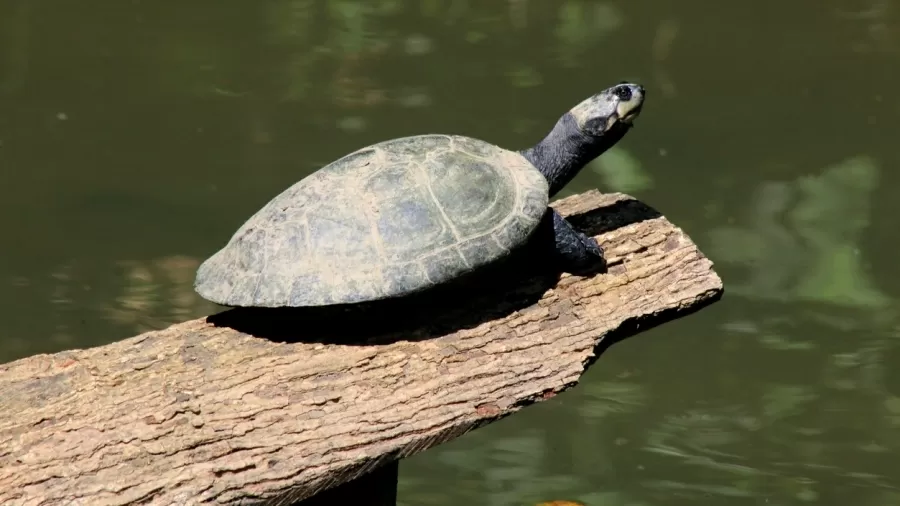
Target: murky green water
136, 136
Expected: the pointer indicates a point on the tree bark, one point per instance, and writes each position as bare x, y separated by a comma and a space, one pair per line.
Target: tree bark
250, 408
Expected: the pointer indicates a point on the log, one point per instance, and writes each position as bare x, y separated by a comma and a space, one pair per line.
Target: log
249, 407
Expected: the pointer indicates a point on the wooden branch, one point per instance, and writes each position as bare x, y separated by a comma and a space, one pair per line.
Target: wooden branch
201, 412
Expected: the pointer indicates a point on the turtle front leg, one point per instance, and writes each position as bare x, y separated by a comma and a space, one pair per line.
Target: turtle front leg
575, 250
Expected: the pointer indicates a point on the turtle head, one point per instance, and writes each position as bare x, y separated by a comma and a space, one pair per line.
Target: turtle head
609, 112
585, 132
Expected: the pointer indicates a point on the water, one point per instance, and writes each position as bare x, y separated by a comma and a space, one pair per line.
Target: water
136, 136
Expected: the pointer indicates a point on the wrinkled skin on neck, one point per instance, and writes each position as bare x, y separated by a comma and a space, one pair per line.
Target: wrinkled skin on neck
566, 150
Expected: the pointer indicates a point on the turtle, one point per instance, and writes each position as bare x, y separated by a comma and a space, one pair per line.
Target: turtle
399, 216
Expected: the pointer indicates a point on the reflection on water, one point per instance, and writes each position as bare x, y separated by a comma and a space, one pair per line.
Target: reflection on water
157, 294
133, 145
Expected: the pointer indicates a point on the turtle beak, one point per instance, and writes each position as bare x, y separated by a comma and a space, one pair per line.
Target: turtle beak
628, 111
626, 117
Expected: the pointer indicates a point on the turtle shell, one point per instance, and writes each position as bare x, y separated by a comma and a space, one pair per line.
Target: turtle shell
387, 220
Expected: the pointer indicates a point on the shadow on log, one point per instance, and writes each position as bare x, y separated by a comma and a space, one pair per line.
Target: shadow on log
324, 406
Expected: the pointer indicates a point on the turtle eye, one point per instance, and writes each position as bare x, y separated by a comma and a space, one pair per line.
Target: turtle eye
623, 93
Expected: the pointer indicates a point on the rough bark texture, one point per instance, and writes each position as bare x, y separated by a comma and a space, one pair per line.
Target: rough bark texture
203, 413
